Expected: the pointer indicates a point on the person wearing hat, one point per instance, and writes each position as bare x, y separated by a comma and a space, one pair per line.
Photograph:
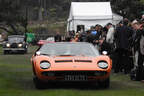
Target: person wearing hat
122, 35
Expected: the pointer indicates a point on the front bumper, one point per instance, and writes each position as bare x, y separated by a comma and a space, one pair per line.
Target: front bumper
73, 76
13, 49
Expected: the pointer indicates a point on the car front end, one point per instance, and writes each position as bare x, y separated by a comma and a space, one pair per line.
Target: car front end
14, 47
73, 70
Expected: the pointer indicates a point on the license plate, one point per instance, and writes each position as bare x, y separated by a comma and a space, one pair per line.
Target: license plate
75, 78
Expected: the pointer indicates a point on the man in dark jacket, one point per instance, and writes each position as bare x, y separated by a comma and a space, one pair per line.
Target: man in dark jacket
139, 46
122, 36
89, 37
57, 37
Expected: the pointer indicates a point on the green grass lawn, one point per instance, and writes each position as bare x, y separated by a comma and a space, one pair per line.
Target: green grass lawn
16, 80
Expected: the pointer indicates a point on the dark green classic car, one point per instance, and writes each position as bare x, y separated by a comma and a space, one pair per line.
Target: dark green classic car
15, 43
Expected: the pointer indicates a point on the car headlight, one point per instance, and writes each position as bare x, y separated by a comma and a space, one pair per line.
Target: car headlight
20, 45
103, 65
7, 45
45, 65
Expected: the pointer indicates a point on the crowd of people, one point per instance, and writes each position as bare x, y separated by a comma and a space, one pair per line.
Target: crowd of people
123, 42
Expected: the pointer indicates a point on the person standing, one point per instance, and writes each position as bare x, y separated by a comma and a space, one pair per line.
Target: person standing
139, 44
110, 34
76, 38
97, 35
58, 37
82, 37
122, 35
107, 38
89, 37
141, 54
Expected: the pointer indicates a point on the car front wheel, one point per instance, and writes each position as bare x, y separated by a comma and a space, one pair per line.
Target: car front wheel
105, 83
38, 83
5, 52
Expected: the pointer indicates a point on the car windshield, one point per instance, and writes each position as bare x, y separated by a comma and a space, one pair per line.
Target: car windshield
66, 49
15, 39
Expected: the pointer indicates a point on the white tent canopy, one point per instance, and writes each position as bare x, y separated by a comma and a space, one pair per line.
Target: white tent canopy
89, 14
116, 18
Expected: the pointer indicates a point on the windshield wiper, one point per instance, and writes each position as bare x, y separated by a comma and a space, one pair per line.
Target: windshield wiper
66, 55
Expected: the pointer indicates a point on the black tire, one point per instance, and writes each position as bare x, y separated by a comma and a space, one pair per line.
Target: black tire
5, 52
105, 84
23, 52
38, 83
20, 52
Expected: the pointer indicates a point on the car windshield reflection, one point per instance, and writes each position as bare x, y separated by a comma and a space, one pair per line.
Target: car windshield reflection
69, 49
15, 39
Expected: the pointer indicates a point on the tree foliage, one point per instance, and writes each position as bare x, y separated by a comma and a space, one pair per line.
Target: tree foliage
128, 8
60, 8
14, 14
11, 17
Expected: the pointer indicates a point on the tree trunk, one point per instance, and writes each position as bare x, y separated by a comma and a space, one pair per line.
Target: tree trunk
40, 16
5, 29
45, 8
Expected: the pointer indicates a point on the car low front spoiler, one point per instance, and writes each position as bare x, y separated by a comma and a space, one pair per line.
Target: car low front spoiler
62, 78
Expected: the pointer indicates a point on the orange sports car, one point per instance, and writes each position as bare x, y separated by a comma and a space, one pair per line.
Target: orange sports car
70, 62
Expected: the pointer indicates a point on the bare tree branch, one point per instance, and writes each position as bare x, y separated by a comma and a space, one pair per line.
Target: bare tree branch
5, 29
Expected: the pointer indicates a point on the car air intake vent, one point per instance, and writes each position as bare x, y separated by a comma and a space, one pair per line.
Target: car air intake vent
61, 61
83, 61
14, 45
74, 73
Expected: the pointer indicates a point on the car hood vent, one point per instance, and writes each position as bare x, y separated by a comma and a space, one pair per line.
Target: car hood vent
89, 61
61, 61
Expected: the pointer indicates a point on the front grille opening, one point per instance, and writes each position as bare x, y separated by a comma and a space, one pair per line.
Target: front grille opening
62, 61
14, 45
89, 61
64, 73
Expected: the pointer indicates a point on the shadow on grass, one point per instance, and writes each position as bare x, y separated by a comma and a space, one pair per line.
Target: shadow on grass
27, 84
79, 86
114, 85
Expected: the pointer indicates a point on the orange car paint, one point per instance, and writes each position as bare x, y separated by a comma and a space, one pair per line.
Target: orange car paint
71, 66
